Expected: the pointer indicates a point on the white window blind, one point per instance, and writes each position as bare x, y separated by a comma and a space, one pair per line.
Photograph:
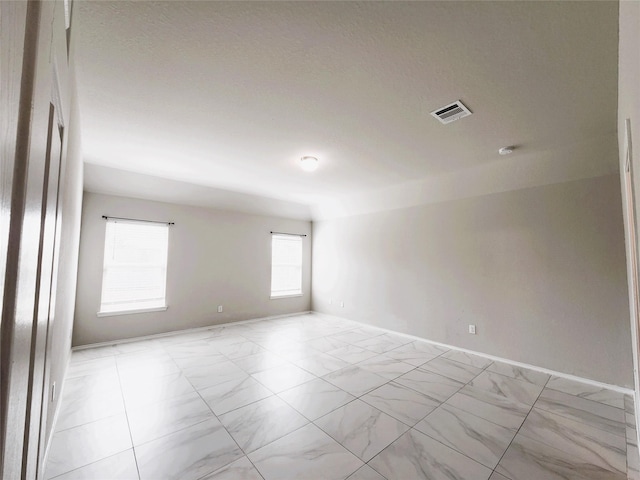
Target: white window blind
286, 265
135, 266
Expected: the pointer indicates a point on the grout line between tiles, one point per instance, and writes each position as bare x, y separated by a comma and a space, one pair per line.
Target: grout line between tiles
444, 402
228, 433
83, 466
126, 414
520, 427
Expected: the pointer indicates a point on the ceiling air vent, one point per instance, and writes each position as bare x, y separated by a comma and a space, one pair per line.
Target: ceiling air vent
452, 112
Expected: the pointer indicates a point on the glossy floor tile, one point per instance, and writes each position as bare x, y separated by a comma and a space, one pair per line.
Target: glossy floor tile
89, 405
526, 458
355, 380
233, 394
321, 364
580, 440
259, 362
187, 454
494, 408
605, 417
386, 367
519, 373
467, 358
241, 469
516, 390
590, 392
282, 378
481, 440
79, 446
352, 353
121, 466
366, 473
81, 366
208, 375
317, 397
261, 422
362, 429
140, 392
167, 416
416, 353
402, 403
307, 453
324, 344
433, 385
450, 368
383, 343
418, 456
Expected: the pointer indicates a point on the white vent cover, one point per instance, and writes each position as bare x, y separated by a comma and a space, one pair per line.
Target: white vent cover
452, 112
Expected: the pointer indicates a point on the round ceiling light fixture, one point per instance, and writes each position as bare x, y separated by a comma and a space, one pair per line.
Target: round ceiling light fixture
309, 164
506, 150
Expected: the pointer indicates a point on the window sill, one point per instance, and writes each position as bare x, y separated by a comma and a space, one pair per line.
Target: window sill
275, 297
129, 312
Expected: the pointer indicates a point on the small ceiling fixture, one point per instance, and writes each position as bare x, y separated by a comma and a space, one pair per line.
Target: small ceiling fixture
309, 164
506, 150
452, 112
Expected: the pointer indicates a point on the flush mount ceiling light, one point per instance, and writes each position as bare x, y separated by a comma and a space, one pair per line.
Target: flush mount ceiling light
308, 164
506, 150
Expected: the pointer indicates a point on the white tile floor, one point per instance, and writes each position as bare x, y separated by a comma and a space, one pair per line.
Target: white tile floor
314, 397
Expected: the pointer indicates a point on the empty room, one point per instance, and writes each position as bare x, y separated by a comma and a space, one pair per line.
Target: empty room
319, 240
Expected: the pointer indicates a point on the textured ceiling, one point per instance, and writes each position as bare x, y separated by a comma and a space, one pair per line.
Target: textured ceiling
230, 95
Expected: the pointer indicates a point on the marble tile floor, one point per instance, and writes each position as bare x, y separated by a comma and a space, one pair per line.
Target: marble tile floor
316, 397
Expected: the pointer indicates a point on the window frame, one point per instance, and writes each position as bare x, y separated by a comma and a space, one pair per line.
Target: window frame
105, 265
301, 291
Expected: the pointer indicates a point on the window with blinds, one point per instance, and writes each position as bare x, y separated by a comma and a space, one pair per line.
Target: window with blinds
286, 265
135, 266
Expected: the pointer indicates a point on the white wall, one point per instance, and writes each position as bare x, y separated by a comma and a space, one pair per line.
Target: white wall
70, 204
629, 108
215, 258
540, 271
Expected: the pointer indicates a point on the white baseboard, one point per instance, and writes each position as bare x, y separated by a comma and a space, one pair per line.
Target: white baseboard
186, 330
555, 373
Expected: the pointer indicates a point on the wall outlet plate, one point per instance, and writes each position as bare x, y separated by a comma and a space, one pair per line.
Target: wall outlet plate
342, 304
219, 308
472, 329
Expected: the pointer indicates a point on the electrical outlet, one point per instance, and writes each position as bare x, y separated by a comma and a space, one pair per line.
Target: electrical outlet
53, 392
342, 304
472, 329
219, 308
